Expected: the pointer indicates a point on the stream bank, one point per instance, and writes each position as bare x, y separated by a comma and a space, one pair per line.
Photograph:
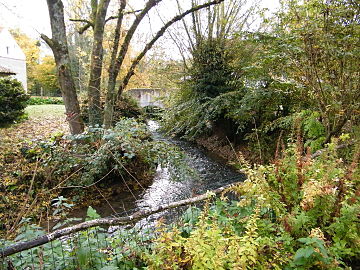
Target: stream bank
210, 170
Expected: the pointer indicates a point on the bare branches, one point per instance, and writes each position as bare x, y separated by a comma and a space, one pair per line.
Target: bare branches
82, 20
148, 46
85, 27
89, 23
47, 40
117, 63
122, 14
124, 48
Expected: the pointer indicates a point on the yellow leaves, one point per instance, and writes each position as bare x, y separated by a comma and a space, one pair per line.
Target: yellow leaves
209, 246
9, 181
317, 233
314, 189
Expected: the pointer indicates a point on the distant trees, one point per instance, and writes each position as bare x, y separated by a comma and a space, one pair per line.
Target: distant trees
302, 69
45, 77
41, 71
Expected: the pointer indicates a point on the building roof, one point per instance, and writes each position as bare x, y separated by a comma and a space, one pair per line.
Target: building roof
6, 71
8, 46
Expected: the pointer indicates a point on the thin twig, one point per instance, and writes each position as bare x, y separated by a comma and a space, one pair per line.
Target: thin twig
112, 208
102, 178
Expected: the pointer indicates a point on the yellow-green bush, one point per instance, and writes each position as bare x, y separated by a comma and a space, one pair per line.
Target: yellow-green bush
299, 213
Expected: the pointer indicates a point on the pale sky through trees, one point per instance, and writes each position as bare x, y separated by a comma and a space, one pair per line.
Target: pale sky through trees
31, 16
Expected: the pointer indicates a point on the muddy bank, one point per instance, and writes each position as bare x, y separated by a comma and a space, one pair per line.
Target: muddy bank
221, 148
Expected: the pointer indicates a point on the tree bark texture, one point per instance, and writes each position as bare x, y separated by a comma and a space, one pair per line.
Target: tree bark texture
59, 46
94, 93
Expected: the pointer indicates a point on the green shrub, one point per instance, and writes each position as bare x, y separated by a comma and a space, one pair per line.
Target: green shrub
211, 73
93, 248
126, 149
44, 100
295, 214
12, 101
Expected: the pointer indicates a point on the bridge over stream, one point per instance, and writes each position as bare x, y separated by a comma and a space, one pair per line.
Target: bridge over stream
147, 96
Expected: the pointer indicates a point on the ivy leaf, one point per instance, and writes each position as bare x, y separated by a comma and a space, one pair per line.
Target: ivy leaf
302, 255
92, 214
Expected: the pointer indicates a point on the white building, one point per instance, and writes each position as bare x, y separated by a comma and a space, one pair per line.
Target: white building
12, 57
147, 96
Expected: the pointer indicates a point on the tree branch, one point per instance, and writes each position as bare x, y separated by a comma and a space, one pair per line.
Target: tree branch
148, 46
124, 48
124, 13
87, 25
82, 20
340, 146
48, 40
106, 221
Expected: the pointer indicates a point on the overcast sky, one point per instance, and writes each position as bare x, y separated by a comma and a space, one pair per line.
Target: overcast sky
31, 16
28, 15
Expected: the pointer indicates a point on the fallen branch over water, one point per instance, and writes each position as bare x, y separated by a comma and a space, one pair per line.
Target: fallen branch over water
105, 221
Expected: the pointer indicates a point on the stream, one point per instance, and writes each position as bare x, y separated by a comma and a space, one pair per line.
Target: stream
212, 174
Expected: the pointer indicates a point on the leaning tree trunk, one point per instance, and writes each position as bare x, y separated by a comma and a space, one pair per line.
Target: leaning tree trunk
59, 46
125, 80
117, 59
95, 110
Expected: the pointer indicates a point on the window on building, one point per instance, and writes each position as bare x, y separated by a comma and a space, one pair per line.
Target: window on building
7, 49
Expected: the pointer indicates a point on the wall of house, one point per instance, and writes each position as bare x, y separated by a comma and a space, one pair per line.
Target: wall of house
12, 57
16, 66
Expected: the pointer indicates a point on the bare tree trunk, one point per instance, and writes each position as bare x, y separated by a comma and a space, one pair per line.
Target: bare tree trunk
94, 93
118, 61
111, 95
59, 46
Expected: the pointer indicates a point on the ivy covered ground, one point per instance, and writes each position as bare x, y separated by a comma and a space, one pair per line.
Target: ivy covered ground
43, 122
41, 165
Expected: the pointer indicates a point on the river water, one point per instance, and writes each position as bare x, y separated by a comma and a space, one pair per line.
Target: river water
211, 174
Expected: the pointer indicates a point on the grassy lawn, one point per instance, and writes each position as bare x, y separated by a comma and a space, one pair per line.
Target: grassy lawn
41, 111
43, 121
